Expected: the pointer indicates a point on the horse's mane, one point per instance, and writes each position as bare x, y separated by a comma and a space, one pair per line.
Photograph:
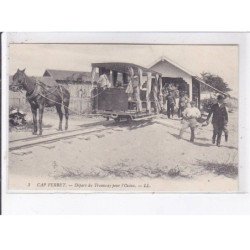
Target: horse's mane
37, 80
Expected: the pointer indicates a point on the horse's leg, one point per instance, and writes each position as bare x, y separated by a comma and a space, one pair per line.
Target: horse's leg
34, 113
66, 108
59, 111
41, 108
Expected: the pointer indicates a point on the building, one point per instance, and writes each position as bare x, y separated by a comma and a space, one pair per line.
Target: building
49, 81
78, 82
183, 79
68, 77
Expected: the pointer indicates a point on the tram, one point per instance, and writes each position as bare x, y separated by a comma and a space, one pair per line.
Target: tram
126, 91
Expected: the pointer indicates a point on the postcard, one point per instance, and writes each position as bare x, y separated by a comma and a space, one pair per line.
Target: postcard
122, 117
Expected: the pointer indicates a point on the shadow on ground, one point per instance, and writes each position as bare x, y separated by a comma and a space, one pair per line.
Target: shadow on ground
136, 124
123, 124
195, 143
88, 125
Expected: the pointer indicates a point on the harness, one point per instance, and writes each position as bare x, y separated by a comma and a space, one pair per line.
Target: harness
60, 87
33, 94
44, 92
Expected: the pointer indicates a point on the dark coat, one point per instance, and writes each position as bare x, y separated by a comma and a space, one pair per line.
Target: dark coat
220, 115
170, 100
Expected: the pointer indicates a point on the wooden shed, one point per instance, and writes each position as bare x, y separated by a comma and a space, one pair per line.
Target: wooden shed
184, 80
66, 76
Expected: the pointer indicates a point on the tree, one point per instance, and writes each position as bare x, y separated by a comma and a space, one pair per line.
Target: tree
214, 81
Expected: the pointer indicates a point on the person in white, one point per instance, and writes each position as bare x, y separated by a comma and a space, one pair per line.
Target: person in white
190, 115
103, 81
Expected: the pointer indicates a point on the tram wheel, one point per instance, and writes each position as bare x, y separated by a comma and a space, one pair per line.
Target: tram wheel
129, 119
117, 119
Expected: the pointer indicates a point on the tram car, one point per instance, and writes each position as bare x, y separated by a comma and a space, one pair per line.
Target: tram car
125, 91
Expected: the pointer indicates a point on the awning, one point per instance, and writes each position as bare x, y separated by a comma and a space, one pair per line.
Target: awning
219, 91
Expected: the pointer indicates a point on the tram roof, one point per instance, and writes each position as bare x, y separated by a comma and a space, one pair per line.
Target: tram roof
123, 67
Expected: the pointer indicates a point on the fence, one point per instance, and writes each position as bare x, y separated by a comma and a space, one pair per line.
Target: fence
77, 105
80, 105
18, 103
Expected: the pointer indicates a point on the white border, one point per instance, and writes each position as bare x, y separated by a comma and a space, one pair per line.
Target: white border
135, 203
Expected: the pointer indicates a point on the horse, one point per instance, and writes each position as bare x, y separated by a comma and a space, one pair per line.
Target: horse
39, 96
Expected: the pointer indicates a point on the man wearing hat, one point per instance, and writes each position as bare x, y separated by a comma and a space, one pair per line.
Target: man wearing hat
219, 120
170, 104
190, 115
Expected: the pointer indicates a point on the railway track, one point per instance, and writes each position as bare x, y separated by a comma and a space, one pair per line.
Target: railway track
59, 132
62, 135
54, 137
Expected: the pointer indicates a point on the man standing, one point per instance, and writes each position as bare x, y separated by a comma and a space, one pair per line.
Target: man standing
183, 100
170, 104
190, 115
103, 81
219, 120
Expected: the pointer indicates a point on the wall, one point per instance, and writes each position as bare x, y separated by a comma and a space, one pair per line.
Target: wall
79, 105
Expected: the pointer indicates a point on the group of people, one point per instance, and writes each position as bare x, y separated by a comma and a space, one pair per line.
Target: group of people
219, 115
171, 102
132, 89
187, 109
189, 114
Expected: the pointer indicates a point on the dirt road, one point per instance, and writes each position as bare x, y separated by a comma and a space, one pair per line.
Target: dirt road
144, 155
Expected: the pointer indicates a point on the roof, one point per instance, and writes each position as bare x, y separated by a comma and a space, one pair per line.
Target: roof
49, 81
164, 58
123, 67
215, 89
63, 75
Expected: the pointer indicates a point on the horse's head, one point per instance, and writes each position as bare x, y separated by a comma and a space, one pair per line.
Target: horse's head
19, 80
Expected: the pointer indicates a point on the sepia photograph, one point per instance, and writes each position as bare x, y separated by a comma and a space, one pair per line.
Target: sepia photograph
120, 123
123, 117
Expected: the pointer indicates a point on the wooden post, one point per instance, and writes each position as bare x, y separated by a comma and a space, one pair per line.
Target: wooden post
155, 91
93, 73
190, 89
110, 77
94, 91
140, 77
199, 94
160, 93
137, 91
114, 77
148, 92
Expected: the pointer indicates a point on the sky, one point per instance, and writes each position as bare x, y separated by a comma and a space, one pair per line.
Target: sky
221, 60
